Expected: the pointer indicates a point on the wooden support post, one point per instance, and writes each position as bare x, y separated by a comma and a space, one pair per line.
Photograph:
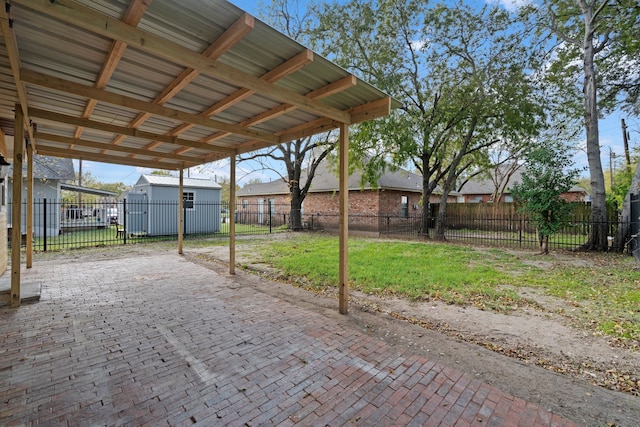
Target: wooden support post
180, 210
232, 215
16, 206
343, 292
29, 182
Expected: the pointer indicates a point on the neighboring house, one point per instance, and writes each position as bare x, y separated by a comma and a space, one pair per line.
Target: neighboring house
152, 206
483, 190
49, 173
396, 194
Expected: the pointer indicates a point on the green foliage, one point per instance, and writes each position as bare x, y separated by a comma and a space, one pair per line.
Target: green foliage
546, 176
620, 187
460, 73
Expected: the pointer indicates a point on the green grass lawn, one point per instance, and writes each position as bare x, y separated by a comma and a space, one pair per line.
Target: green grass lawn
601, 291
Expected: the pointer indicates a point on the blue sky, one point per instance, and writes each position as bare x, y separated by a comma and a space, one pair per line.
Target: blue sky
610, 137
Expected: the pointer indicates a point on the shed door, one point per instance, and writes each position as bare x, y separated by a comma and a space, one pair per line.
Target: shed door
137, 213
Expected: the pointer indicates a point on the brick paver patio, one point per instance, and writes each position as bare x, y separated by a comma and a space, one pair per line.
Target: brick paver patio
162, 341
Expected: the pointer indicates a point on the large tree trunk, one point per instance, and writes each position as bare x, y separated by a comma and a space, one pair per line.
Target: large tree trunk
598, 234
426, 208
544, 244
441, 219
295, 213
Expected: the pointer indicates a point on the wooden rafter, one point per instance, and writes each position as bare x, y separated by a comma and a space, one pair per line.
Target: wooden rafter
288, 67
132, 16
11, 44
44, 137
372, 110
226, 41
67, 86
127, 131
107, 158
73, 13
328, 90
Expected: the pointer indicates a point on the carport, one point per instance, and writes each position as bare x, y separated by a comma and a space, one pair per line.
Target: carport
164, 84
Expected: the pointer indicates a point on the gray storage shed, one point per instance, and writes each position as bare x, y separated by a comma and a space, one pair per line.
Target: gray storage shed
152, 206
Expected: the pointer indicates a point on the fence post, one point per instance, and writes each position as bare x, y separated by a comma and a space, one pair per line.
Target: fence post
270, 219
124, 222
44, 214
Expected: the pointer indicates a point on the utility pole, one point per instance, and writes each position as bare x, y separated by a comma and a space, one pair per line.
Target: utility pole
611, 157
625, 139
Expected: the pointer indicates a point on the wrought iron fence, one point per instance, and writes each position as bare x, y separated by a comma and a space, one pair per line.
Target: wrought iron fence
516, 231
61, 225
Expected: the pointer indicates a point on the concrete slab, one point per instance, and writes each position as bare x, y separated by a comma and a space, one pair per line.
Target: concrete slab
30, 290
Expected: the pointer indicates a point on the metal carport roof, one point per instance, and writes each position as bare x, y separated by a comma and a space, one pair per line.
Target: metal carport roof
166, 84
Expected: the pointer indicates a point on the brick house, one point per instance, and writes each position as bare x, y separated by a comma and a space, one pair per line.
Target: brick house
397, 194
483, 190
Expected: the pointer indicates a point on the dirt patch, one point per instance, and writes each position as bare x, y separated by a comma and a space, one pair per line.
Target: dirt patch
531, 353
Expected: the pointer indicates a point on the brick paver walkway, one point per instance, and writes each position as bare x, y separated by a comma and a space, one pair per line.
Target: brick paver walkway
161, 341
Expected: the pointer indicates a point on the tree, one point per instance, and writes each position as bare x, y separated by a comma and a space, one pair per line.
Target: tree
301, 159
595, 39
546, 176
302, 156
459, 72
225, 195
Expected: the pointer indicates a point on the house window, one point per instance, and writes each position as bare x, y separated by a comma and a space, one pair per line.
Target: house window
508, 199
188, 198
272, 206
245, 203
404, 205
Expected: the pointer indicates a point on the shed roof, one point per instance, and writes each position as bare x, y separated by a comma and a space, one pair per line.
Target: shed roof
172, 181
166, 84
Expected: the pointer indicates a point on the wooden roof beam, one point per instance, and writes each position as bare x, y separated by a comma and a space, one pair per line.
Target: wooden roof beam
73, 13
328, 90
126, 131
105, 158
226, 41
286, 68
13, 54
50, 82
132, 16
361, 113
43, 137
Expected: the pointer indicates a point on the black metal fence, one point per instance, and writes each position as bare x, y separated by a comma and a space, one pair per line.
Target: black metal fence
503, 228
60, 225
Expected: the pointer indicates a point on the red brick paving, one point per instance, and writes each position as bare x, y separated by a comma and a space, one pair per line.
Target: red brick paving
160, 341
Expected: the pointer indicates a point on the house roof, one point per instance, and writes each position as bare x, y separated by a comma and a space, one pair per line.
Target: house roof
165, 84
172, 181
47, 167
326, 180
484, 185
87, 190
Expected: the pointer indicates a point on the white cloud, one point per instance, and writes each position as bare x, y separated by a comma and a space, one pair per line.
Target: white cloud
511, 5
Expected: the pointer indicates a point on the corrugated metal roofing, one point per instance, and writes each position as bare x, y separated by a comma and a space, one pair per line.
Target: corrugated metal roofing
172, 181
165, 83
